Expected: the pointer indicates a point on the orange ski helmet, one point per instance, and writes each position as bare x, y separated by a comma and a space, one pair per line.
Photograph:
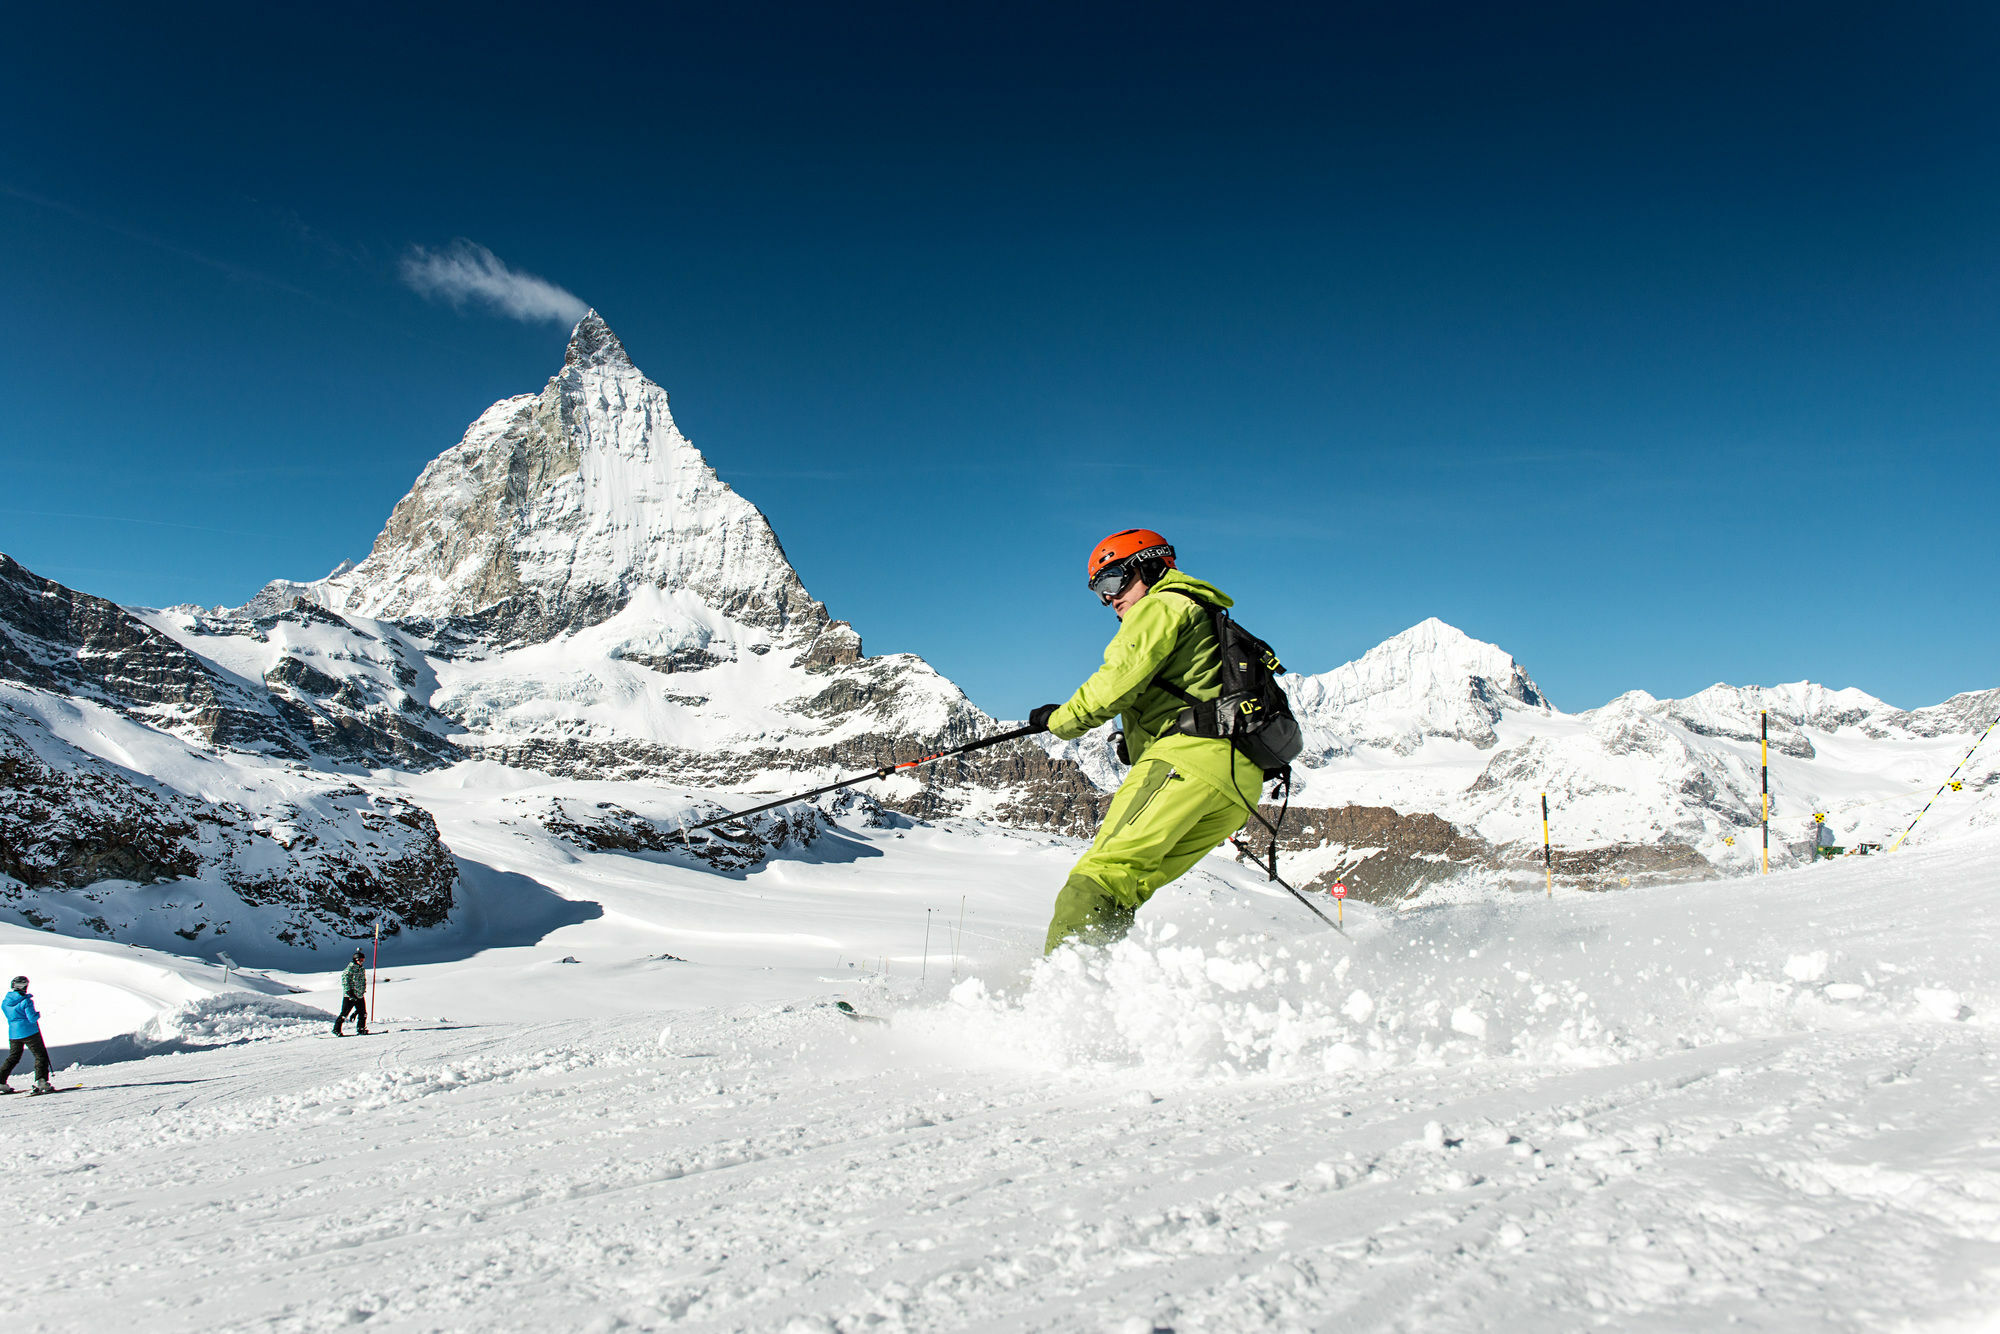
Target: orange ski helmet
1114, 560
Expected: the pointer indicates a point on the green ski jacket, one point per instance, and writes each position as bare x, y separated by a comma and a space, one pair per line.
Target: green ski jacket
1171, 638
354, 980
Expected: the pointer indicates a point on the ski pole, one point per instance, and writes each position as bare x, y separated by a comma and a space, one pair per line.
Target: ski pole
883, 772
1272, 874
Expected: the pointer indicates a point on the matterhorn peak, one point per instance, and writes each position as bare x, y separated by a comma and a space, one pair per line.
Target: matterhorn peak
557, 508
592, 343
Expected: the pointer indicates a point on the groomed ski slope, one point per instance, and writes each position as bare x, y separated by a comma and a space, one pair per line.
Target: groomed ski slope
1766, 1103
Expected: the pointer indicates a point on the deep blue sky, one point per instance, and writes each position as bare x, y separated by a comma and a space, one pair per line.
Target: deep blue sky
1659, 345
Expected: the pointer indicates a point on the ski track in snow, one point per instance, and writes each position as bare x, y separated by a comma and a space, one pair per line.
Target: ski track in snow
1766, 1103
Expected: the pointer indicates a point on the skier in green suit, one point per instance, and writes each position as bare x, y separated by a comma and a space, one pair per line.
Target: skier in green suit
353, 995
1184, 794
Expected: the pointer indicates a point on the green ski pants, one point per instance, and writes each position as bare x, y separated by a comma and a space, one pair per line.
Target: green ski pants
1161, 822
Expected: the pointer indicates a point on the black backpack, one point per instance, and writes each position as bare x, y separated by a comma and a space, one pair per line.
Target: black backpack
1251, 713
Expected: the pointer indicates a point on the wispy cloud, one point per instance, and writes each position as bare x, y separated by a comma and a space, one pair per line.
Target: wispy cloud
467, 271
146, 238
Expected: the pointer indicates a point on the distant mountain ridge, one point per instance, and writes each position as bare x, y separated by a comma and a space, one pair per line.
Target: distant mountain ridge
1434, 721
571, 589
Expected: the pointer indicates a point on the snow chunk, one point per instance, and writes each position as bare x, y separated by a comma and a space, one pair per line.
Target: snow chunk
1939, 1003
1806, 967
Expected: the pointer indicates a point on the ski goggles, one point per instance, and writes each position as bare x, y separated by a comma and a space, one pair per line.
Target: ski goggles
1110, 581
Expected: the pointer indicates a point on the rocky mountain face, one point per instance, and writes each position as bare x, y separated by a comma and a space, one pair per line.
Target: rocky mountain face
57, 640
104, 820
556, 508
100, 710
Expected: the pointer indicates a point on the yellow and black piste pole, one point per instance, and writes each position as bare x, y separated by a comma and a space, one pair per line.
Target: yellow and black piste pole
1764, 716
1951, 781
1548, 866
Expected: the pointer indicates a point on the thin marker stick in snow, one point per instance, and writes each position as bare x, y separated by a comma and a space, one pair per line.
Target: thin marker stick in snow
1765, 716
375, 967
958, 941
882, 772
1548, 864
1947, 782
924, 975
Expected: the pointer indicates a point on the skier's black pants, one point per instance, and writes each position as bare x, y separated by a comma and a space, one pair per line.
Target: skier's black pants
33, 1042
352, 1005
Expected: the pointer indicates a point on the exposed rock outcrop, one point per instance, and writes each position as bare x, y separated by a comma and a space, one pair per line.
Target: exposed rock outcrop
57, 639
80, 837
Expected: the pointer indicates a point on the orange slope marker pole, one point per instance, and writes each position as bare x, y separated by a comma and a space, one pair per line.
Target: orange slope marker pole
375, 969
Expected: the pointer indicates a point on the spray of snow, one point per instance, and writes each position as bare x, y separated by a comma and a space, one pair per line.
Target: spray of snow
1568, 984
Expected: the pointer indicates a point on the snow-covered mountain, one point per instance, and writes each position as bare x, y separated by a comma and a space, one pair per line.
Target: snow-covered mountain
1436, 722
126, 760
571, 592
558, 508
577, 592
1432, 680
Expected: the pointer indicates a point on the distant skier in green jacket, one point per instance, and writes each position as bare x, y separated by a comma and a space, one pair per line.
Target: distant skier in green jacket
1184, 794
353, 993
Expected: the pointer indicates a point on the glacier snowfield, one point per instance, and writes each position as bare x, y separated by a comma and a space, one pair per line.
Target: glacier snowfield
1759, 1102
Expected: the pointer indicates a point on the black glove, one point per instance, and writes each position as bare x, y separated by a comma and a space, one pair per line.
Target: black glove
1118, 748
1039, 719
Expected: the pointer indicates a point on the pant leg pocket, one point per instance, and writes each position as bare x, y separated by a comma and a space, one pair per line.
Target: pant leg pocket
1149, 787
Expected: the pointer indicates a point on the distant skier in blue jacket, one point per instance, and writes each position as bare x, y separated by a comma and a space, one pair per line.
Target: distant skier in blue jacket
24, 1032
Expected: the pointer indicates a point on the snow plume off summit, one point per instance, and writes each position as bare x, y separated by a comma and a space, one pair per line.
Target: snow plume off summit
466, 271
